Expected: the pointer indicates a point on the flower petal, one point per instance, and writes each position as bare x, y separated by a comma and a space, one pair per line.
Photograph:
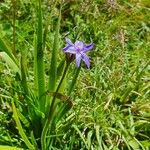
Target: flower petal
78, 59
85, 58
79, 45
69, 49
88, 47
68, 41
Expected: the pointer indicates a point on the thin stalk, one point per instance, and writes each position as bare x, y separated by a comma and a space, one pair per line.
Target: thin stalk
52, 109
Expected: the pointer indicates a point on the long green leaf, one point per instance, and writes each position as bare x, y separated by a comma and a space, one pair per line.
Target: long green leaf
35, 64
23, 72
20, 129
54, 59
4, 147
40, 60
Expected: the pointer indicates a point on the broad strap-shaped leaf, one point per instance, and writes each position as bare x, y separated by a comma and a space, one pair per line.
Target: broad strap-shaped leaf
40, 59
54, 58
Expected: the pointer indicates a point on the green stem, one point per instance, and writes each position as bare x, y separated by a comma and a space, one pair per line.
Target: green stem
52, 109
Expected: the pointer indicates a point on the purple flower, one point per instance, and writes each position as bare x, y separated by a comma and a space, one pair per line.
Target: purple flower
79, 49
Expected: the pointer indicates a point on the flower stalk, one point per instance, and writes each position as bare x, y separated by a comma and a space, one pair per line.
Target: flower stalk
52, 109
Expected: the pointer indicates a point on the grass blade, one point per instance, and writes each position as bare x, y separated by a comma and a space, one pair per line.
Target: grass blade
4, 147
20, 129
98, 136
33, 140
89, 138
79, 132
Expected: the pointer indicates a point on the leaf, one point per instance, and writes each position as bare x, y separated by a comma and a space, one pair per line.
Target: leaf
53, 65
33, 140
35, 63
134, 144
20, 129
89, 138
23, 72
125, 95
60, 68
63, 109
40, 59
79, 132
10, 62
23, 119
9, 148
70, 89
98, 137
5, 48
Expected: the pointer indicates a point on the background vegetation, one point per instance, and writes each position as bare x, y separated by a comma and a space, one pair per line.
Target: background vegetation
111, 100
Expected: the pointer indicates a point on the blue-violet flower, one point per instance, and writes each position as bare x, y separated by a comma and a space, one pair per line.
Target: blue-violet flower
79, 49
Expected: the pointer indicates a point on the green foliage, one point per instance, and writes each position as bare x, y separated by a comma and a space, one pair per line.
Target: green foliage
111, 101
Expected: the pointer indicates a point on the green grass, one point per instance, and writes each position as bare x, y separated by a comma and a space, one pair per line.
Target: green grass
111, 100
